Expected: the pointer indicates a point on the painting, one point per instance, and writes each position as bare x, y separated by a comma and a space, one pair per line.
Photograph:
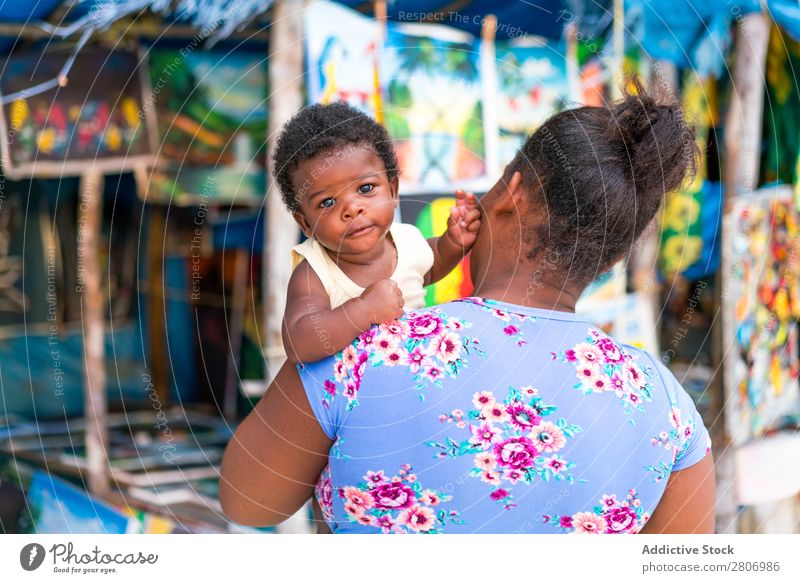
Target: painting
432, 108
532, 86
58, 507
430, 213
761, 305
212, 117
101, 123
628, 318
342, 57
692, 217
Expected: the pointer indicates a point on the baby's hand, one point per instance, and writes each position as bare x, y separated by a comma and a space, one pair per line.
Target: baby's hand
384, 301
464, 221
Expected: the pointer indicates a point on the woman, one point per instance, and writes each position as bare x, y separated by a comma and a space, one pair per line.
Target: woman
504, 412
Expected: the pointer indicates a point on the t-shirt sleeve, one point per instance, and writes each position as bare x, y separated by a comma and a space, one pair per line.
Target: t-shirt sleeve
421, 253
325, 395
692, 441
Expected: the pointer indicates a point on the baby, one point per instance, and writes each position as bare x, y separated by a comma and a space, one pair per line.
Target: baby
337, 171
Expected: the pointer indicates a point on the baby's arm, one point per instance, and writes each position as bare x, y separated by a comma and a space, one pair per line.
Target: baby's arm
462, 230
312, 330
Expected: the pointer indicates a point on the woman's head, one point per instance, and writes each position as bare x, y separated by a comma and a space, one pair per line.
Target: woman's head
337, 171
593, 178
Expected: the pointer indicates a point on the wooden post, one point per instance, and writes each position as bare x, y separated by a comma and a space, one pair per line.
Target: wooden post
742, 149
94, 389
281, 232
489, 95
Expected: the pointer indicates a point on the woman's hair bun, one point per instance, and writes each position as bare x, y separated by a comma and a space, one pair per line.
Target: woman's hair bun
657, 147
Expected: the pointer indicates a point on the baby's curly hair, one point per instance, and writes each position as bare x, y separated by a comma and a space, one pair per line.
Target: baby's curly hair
323, 129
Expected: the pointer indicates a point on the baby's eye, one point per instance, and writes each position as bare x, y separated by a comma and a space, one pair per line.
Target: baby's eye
365, 188
327, 203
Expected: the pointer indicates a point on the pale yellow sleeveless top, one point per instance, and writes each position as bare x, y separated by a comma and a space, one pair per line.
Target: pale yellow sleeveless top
414, 260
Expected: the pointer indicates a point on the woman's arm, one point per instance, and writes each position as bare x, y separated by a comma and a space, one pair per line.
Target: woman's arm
687, 506
312, 330
273, 461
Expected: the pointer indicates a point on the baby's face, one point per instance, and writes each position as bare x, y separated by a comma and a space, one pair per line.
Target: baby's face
345, 200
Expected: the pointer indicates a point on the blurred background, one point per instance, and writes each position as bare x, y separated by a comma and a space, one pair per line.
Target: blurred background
144, 252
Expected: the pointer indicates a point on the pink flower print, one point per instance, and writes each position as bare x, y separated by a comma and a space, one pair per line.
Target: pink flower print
365, 519
675, 417
417, 518
609, 501
496, 413
517, 453
601, 383
555, 463
587, 373
687, 432
357, 498
353, 510
633, 398
548, 437
618, 383
521, 416
610, 350
424, 325
490, 477
375, 478
350, 390
485, 435
485, 461
455, 325
565, 522
570, 355
385, 523
620, 520
339, 370
588, 523
505, 316
384, 343
417, 359
390, 496
397, 328
360, 366
434, 373
429, 498
635, 375
349, 357
447, 347
395, 357
512, 475
330, 388
588, 354
498, 494
529, 391
365, 339
324, 492
510, 330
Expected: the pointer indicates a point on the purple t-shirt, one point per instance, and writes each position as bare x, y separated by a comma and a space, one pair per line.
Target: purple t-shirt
483, 416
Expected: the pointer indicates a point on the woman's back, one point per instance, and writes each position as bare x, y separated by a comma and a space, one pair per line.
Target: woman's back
490, 417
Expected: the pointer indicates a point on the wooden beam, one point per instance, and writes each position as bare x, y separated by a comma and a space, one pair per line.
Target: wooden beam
281, 232
94, 389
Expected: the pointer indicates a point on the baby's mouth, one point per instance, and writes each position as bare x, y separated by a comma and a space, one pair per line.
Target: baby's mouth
359, 231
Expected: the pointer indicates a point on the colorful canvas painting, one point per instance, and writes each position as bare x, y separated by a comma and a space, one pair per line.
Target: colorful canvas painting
692, 216
430, 214
212, 117
432, 108
628, 318
99, 122
342, 57
58, 507
532, 86
761, 305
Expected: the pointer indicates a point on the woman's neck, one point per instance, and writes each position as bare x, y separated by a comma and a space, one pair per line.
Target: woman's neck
527, 292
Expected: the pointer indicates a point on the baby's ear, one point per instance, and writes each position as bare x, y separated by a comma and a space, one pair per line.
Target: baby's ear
300, 219
394, 185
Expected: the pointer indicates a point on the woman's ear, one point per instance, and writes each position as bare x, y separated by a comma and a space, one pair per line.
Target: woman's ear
510, 196
300, 219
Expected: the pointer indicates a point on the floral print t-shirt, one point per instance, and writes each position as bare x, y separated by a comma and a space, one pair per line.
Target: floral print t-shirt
482, 416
